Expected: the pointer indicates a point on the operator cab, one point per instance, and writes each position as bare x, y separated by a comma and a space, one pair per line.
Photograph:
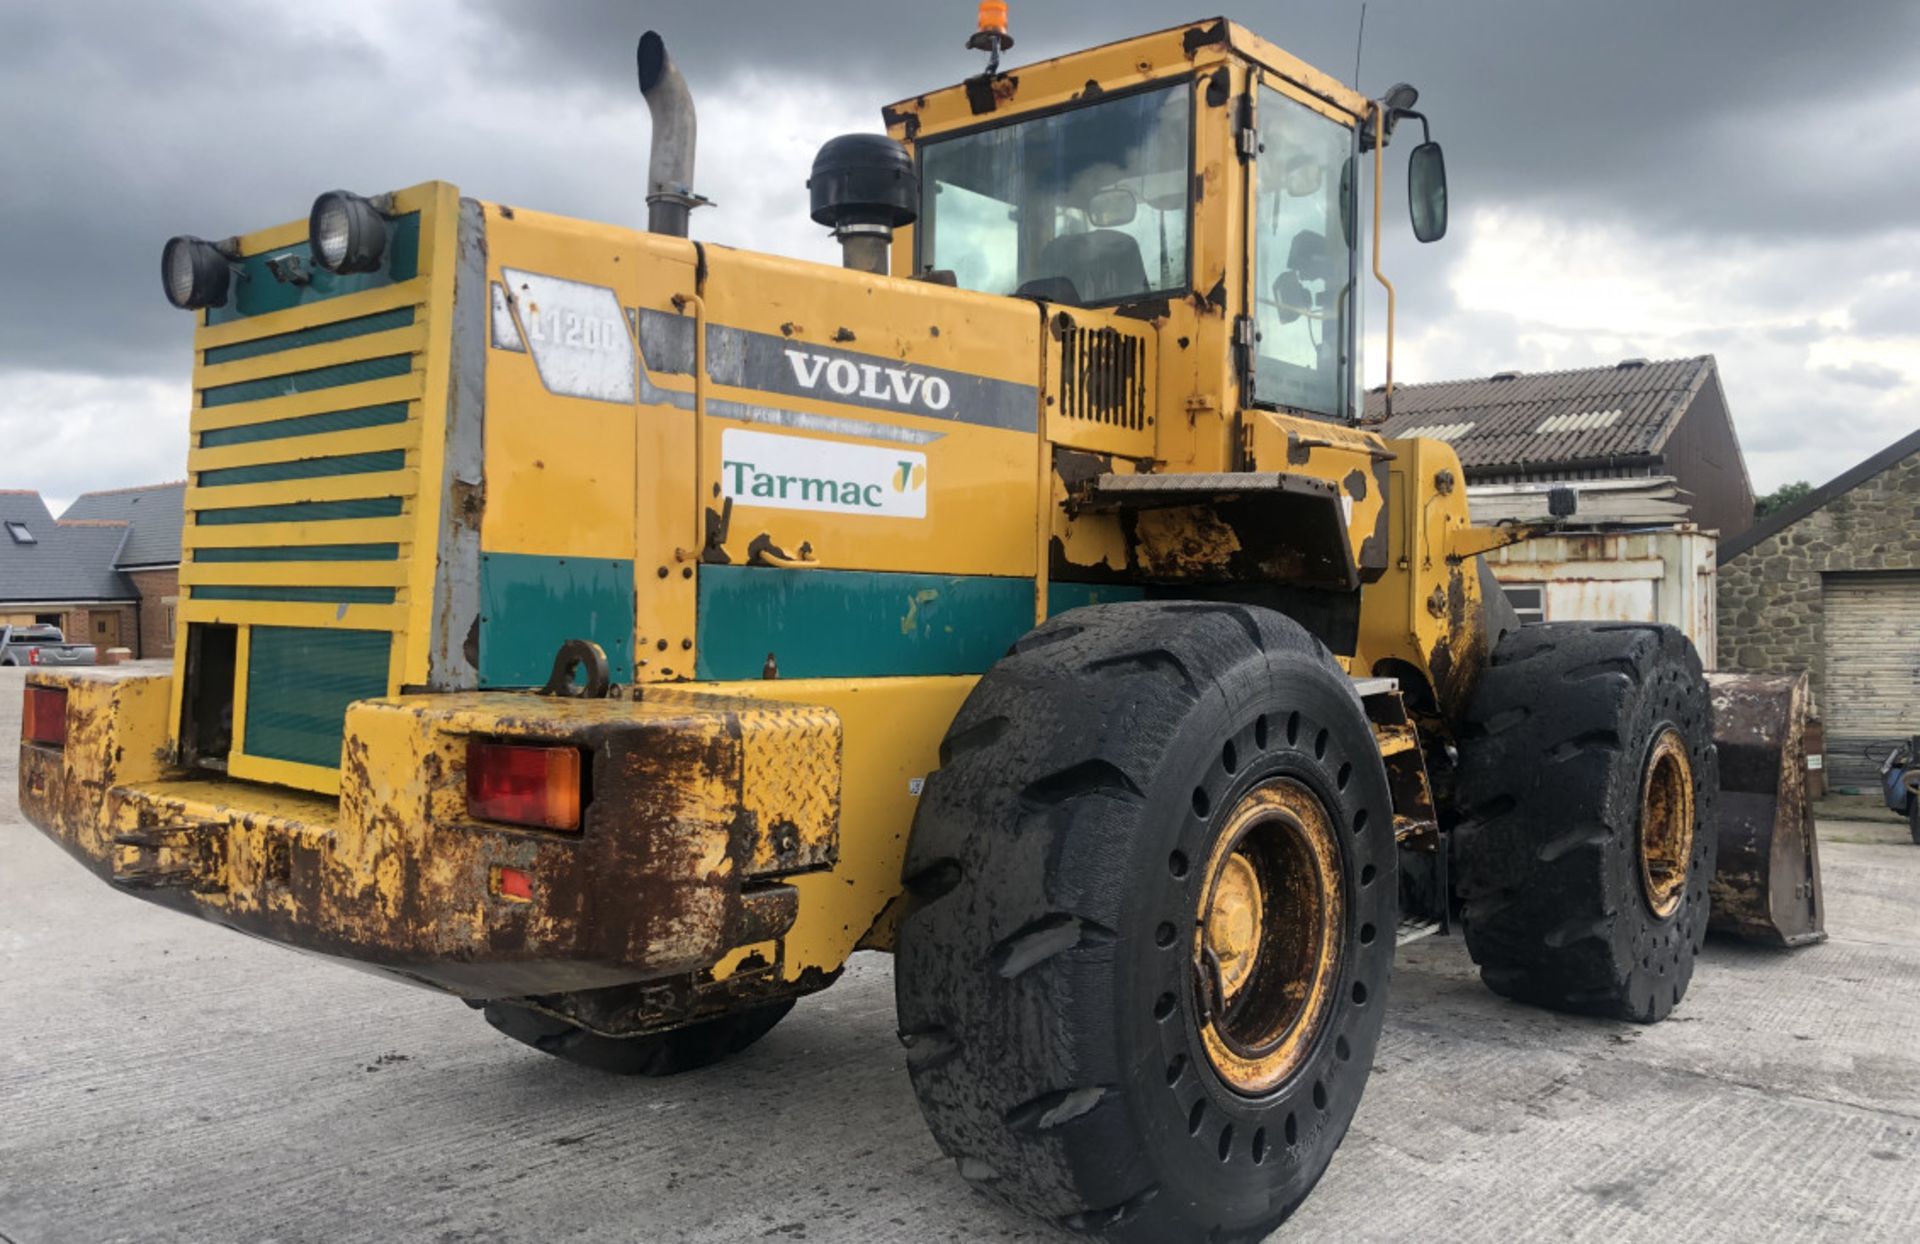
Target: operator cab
1219, 172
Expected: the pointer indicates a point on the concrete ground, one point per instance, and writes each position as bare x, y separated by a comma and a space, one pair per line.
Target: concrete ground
165, 1080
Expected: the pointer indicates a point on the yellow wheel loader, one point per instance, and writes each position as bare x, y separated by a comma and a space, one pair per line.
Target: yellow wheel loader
617, 631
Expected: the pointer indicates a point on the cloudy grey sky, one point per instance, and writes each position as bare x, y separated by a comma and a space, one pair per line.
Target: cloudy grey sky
1635, 177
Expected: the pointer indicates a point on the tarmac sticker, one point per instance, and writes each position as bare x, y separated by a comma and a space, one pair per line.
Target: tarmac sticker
801, 473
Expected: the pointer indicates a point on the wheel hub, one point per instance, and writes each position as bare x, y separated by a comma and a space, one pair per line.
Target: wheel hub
1666, 823
1267, 941
1233, 925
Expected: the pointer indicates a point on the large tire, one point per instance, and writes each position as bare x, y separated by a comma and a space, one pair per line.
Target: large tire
656, 1054
1045, 972
1913, 812
1583, 742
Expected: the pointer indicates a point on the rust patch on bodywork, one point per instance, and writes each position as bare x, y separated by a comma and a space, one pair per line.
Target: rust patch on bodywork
1184, 542
698, 805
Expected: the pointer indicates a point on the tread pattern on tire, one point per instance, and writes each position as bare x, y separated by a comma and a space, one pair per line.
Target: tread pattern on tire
1006, 968
1547, 848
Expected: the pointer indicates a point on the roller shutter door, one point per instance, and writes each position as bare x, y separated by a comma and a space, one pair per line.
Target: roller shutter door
1872, 687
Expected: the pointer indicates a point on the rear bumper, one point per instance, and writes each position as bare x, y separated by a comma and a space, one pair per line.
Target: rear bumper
700, 806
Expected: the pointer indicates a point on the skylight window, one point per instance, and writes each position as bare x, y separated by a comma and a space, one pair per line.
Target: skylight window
1444, 431
1586, 421
20, 533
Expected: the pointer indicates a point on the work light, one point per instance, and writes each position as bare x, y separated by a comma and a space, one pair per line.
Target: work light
346, 233
194, 273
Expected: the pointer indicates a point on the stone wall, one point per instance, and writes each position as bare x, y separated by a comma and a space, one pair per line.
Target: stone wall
159, 592
1771, 613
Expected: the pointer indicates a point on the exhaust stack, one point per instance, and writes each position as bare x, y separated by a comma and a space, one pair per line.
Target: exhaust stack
670, 195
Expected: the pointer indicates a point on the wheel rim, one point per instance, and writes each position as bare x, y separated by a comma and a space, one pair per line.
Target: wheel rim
1267, 945
1666, 823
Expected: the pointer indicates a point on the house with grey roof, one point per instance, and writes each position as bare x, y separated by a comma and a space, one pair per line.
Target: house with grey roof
1632, 419
106, 572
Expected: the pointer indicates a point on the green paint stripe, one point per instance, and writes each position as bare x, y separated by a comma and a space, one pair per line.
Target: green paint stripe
299, 595
852, 624
299, 512
530, 605
303, 553
306, 425
310, 381
1064, 596
300, 681
260, 292
306, 468
319, 334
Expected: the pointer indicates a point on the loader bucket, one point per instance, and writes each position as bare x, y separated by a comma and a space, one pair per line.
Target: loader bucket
1767, 885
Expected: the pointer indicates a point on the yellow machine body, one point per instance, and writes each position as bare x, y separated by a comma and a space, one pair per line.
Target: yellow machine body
800, 508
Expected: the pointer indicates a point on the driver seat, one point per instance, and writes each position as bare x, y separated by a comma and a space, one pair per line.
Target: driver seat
1102, 264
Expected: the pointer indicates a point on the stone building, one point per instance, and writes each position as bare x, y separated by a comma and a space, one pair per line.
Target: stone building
1832, 585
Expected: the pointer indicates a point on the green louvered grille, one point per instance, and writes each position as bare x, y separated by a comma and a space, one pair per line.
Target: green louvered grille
300, 512
306, 468
299, 680
299, 683
319, 334
306, 425
299, 595
308, 381
303, 553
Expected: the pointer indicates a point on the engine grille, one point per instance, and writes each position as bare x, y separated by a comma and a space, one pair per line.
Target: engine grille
305, 500
1103, 377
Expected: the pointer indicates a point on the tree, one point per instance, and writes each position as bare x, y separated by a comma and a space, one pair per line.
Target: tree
1781, 497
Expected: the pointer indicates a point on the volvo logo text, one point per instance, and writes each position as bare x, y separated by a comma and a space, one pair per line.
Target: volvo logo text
872, 381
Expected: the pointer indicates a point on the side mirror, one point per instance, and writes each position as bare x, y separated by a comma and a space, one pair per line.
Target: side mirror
1427, 192
1112, 208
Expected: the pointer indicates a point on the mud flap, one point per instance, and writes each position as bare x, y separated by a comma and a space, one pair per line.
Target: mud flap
1767, 885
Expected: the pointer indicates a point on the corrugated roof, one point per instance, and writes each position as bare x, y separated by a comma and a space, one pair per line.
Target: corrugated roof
155, 512
66, 562
1542, 419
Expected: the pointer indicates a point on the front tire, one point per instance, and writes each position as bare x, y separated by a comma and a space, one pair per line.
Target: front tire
1586, 787
1112, 1018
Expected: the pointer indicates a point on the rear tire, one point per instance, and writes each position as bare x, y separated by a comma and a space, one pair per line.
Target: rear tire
1122, 769
1913, 816
1586, 844
656, 1054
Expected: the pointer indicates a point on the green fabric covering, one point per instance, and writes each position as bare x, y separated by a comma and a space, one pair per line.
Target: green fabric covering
300, 681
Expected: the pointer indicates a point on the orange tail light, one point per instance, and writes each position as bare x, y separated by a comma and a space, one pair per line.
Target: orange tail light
524, 784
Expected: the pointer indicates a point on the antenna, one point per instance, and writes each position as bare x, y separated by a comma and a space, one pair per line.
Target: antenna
1359, 44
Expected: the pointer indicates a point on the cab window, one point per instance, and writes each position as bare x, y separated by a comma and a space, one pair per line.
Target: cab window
1089, 205
1304, 292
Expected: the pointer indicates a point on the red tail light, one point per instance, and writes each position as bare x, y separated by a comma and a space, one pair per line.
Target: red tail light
33, 656
524, 785
512, 884
43, 716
